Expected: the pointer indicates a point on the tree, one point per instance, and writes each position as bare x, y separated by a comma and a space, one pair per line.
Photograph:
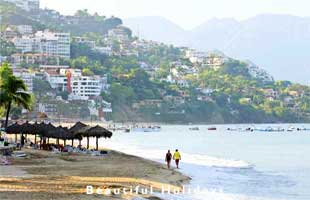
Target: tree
12, 91
7, 48
41, 87
87, 72
82, 13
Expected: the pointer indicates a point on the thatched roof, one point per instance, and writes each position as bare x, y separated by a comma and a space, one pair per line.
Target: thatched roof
13, 129
27, 128
48, 130
96, 131
43, 128
77, 127
57, 133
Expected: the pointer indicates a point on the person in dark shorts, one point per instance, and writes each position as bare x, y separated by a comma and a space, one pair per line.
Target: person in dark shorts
177, 157
22, 140
168, 158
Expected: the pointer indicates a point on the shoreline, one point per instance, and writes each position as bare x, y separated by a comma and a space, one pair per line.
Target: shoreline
104, 124
46, 175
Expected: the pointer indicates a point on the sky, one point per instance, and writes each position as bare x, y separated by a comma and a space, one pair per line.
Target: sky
186, 13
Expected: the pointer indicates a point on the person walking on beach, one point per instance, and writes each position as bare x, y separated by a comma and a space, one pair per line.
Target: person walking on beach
177, 157
168, 158
22, 140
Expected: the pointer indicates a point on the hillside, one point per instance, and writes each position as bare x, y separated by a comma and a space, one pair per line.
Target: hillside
147, 81
274, 42
80, 23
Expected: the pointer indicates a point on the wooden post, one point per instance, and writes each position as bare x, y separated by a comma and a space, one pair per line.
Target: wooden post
80, 143
48, 140
57, 141
64, 142
72, 142
96, 143
87, 142
15, 137
35, 139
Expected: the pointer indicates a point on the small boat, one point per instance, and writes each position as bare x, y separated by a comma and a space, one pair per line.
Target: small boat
146, 129
127, 130
291, 128
212, 128
194, 129
303, 129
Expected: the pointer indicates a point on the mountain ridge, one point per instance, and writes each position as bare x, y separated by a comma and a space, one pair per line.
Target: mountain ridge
274, 41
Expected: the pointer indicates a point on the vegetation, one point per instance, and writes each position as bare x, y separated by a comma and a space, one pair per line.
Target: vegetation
163, 91
12, 91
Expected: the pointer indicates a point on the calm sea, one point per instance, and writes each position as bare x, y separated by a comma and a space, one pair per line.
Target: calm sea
230, 165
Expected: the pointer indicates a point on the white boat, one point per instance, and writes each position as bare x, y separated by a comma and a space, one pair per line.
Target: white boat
291, 128
194, 129
146, 129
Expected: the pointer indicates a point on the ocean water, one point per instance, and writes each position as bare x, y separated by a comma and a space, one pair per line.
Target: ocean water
229, 165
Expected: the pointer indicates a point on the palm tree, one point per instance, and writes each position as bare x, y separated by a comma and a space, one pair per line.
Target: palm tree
12, 91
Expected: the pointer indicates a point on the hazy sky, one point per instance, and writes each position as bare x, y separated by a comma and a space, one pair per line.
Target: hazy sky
186, 13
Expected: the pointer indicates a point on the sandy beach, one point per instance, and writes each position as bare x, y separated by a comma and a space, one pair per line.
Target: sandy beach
47, 175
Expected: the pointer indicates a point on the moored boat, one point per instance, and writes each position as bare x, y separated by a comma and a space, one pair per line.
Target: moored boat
212, 128
194, 129
146, 129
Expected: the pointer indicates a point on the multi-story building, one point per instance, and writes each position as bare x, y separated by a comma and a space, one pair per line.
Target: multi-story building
26, 76
25, 29
78, 86
104, 50
28, 5
24, 44
85, 41
53, 43
8, 34
259, 73
119, 33
45, 42
49, 108
28, 58
196, 56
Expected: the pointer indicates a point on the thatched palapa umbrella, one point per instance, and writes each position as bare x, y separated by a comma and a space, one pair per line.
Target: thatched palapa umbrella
75, 130
13, 129
97, 132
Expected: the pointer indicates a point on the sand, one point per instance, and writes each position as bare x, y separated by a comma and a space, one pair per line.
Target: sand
47, 175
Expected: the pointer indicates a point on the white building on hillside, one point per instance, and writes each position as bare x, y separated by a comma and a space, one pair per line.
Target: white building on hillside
119, 33
45, 42
28, 5
26, 76
25, 44
78, 86
196, 56
25, 29
259, 73
104, 50
57, 44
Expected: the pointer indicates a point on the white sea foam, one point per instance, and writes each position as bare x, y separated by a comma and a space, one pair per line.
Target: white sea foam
196, 159
213, 161
208, 194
